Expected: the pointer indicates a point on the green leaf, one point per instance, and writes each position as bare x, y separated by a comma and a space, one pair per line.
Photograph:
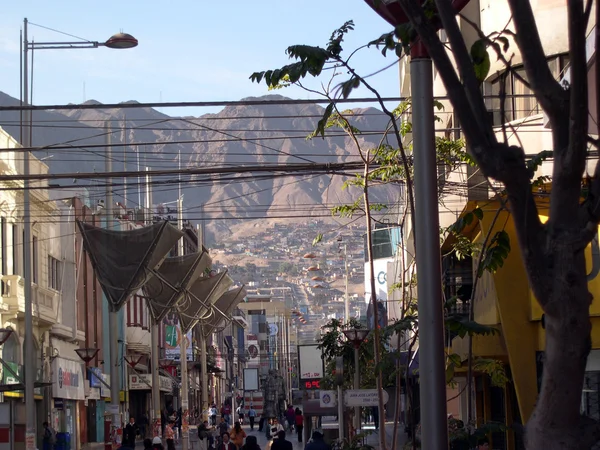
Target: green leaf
321, 124
462, 326
481, 59
478, 212
318, 238
505, 42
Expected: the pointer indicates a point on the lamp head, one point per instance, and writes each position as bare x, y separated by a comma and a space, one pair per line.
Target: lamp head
121, 41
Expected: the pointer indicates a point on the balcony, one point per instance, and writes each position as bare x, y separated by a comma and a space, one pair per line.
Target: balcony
239, 317
45, 301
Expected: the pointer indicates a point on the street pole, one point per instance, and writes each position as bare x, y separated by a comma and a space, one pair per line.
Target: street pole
204, 376
112, 313
346, 299
185, 413
156, 419
29, 352
340, 405
357, 420
429, 286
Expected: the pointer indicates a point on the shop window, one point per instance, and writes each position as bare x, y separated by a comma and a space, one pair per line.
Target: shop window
55, 268
11, 349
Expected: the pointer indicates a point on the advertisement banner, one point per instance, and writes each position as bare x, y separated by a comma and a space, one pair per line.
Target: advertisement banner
311, 362
173, 339
68, 382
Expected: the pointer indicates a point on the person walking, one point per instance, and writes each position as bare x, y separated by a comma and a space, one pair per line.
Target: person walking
49, 437
251, 444
225, 443
170, 435
290, 417
213, 415
317, 442
299, 419
237, 435
251, 417
130, 433
281, 443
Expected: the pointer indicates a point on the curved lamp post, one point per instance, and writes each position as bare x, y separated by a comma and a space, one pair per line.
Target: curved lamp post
117, 41
356, 336
429, 287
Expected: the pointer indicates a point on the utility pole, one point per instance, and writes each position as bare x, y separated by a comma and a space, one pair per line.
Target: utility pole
29, 351
346, 299
112, 313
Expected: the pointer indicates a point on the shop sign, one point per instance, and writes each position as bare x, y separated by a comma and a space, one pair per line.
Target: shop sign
68, 382
165, 384
140, 382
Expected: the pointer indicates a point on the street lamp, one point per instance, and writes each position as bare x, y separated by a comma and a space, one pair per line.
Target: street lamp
117, 41
5, 333
86, 354
356, 336
427, 239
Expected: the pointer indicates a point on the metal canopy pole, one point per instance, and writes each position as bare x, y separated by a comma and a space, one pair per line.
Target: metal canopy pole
156, 417
185, 413
429, 284
203, 376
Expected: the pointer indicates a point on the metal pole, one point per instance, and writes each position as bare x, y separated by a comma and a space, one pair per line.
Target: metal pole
204, 376
155, 380
340, 405
112, 314
357, 420
346, 299
29, 352
185, 414
429, 286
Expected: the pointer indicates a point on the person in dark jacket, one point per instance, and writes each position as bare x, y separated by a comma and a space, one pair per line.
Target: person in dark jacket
147, 444
317, 442
251, 443
281, 443
130, 433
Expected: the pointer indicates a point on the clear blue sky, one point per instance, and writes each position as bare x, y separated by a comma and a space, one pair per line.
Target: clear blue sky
189, 50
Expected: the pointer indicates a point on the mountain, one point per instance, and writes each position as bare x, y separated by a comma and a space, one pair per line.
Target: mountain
235, 136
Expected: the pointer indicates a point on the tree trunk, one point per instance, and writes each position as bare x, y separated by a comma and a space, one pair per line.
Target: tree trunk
556, 422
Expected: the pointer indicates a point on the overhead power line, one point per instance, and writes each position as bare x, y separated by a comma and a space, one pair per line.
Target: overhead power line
324, 168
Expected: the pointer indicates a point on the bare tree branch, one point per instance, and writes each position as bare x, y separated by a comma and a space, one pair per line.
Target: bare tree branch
570, 141
548, 91
465, 67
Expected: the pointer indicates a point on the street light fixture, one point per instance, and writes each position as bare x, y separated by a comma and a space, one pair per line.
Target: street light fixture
356, 336
117, 41
5, 334
86, 354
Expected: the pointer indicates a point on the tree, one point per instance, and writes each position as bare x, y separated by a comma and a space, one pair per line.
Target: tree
553, 252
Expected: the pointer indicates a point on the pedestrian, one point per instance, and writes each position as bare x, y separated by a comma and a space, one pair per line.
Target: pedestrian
237, 435
317, 442
251, 417
147, 444
213, 415
261, 423
144, 422
223, 427
225, 443
130, 433
49, 437
240, 413
483, 444
157, 443
274, 430
299, 424
251, 444
204, 435
290, 417
281, 443
170, 435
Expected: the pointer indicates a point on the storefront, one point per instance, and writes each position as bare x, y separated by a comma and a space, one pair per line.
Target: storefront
68, 389
98, 391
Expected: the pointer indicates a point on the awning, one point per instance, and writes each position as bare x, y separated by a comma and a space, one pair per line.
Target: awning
125, 260
171, 279
200, 297
20, 387
226, 304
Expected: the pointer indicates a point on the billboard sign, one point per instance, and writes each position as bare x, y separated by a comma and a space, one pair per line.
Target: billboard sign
173, 339
251, 379
311, 362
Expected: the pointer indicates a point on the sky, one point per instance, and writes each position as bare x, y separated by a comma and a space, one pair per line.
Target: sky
198, 50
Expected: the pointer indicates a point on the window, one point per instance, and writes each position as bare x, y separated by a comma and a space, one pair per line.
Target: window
54, 273
519, 102
34, 259
15, 259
